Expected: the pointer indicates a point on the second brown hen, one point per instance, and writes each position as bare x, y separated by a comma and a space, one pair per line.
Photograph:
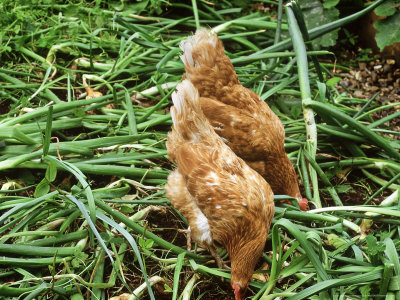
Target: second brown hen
245, 122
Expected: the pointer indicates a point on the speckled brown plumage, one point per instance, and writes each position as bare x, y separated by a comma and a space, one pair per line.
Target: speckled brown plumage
225, 201
245, 122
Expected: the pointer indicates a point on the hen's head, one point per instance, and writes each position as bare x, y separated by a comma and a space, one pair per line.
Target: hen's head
245, 250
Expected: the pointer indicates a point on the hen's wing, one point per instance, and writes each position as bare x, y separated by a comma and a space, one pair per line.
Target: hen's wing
223, 187
242, 132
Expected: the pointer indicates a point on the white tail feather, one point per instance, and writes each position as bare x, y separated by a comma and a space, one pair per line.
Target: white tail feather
201, 36
173, 115
185, 95
177, 99
186, 114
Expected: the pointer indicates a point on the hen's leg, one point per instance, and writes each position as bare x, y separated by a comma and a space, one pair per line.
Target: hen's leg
220, 263
188, 238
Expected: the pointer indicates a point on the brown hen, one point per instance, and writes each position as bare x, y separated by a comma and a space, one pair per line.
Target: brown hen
225, 201
245, 122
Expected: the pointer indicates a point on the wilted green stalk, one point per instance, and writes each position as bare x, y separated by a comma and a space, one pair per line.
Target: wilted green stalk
196, 14
302, 66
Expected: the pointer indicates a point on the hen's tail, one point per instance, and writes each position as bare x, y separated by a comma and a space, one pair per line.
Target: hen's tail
189, 122
206, 64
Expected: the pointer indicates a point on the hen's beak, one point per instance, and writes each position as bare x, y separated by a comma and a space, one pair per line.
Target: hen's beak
238, 291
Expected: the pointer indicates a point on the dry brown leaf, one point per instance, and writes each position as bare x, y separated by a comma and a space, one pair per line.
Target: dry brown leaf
260, 276
343, 174
91, 93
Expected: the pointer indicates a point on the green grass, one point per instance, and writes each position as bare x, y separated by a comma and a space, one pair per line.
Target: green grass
83, 212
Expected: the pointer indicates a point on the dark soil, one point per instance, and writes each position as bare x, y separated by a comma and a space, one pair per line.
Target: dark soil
4, 106
370, 74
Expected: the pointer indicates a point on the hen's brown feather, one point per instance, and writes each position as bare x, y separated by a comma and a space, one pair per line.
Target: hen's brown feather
245, 122
224, 200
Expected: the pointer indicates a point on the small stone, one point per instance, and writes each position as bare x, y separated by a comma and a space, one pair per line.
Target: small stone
373, 76
374, 88
362, 65
358, 76
387, 68
345, 83
358, 94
